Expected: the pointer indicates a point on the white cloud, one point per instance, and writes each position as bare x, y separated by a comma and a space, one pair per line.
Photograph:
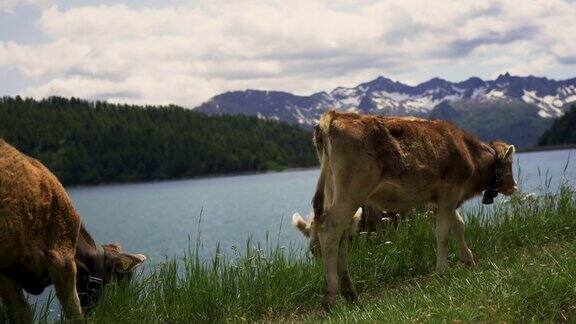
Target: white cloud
185, 54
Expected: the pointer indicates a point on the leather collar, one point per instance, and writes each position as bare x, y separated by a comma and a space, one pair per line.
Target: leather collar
497, 177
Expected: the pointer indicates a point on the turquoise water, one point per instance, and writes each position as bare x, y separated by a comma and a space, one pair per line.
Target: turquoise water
160, 219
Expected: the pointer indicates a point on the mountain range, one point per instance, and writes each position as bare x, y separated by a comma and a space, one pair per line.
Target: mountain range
511, 108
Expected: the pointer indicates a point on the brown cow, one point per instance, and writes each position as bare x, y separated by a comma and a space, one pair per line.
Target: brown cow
308, 228
397, 164
42, 241
367, 219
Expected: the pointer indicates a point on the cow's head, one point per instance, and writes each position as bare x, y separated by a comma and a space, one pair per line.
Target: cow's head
106, 266
309, 229
505, 154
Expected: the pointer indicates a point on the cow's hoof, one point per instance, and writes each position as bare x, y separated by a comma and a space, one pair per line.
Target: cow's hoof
347, 289
328, 302
441, 270
469, 263
467, 259
350, 294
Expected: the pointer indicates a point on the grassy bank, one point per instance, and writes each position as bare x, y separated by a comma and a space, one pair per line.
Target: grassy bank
531, 284
525, 256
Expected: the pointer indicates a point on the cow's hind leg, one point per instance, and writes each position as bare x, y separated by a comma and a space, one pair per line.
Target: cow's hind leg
15, 302
331, 228
62, 269
346, 286
465, 254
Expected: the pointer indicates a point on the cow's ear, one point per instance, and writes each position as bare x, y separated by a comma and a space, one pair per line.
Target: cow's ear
509, 155
302, 225
112, 247
125, 262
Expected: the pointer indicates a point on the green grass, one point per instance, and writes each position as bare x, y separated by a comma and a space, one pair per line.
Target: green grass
525, 253
531, 285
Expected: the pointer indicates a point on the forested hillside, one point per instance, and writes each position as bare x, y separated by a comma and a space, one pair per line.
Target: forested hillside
563, 130
514, 122
92, 142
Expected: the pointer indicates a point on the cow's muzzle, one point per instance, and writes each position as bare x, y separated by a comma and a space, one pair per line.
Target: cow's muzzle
510, 191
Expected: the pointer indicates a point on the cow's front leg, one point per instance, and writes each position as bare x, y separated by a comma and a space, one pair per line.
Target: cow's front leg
442, 230
346, 286
465, 254
15, 302
62, 270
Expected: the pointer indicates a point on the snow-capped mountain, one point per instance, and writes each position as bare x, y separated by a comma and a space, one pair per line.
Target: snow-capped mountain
386, 97
544, 98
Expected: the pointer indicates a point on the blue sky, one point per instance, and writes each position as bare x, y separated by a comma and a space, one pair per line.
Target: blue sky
185, 52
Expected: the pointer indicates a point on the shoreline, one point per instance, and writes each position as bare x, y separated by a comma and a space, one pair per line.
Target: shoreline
199, 177
248, 173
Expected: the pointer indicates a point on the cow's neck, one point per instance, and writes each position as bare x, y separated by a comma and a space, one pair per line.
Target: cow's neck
485, 166
88, 252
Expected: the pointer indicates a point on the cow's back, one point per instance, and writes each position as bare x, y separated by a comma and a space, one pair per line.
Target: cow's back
33, 207
419, 159
434, 149
405, 146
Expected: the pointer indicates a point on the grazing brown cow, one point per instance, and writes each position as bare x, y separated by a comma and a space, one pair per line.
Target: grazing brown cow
397, 164
367, 219
308, 229
42, 241
374, 220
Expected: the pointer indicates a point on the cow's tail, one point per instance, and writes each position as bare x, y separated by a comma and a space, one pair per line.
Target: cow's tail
302, 225
318, 199
321, 142
321, 132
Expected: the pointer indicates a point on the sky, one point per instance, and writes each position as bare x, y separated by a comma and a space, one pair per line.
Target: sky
185, 52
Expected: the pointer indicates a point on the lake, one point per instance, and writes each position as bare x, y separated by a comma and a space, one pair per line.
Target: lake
159, 219
162, 219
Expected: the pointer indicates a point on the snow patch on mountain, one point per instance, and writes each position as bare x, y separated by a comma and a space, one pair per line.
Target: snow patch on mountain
495, 95
550, 106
